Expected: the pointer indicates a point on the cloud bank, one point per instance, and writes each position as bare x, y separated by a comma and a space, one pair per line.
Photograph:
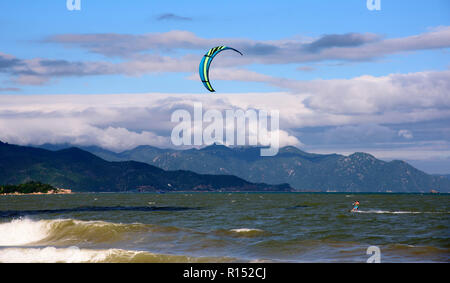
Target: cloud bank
178, 51
363, 110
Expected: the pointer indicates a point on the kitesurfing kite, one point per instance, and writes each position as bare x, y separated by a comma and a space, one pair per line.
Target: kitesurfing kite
206, 62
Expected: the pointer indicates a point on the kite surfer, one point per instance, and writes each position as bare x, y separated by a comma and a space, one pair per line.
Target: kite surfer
355, 206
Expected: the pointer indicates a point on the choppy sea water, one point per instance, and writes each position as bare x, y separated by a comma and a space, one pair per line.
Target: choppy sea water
223, 227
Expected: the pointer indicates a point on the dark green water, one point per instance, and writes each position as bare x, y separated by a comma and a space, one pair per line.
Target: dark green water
221, 227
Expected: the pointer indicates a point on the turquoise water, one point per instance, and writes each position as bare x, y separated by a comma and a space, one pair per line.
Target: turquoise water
222, 227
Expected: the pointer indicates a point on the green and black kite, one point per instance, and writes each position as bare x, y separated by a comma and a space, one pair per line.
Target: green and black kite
206, 62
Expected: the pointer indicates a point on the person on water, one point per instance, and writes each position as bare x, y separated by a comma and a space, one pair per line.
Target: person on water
355, 205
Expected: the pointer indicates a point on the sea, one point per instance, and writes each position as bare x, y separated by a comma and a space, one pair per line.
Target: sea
224, 227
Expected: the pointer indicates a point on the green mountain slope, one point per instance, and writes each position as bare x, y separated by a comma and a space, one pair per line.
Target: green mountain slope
79, 170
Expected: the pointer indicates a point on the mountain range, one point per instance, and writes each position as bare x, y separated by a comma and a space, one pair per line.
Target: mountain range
358, 172
79, 170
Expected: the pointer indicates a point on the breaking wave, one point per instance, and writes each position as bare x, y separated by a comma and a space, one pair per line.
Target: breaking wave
26, 240
25, 231
242, 232
73, 254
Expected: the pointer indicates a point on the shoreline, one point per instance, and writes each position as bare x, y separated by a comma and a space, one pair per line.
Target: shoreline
68, 191
51, 192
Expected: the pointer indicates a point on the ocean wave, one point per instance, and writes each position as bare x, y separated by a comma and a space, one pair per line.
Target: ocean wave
24, 231
398, 212
27, 240
242, 232
246, 230
76, 255
84, 209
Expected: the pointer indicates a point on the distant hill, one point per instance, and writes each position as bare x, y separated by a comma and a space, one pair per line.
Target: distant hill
447, 176
79, 170
359, 172
27, 188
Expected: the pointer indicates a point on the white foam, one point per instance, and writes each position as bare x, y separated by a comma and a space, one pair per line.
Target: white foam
245, 230
388, 212
23, 231
52, 255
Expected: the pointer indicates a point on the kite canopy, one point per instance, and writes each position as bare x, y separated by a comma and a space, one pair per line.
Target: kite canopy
206, 62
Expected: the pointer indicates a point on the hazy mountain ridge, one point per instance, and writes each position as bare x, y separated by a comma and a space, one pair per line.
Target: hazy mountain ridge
79, 170
358, 172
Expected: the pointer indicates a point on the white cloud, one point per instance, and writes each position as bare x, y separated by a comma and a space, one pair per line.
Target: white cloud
70, 130
387, 99
361, 109
147, 53
407, 134
349, 46
116, 122
357, 134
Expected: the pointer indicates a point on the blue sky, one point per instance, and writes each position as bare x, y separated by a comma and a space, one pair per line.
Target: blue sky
26, 23
102, 49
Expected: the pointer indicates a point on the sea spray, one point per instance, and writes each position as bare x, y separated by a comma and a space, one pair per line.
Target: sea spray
23, 231
74, 255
